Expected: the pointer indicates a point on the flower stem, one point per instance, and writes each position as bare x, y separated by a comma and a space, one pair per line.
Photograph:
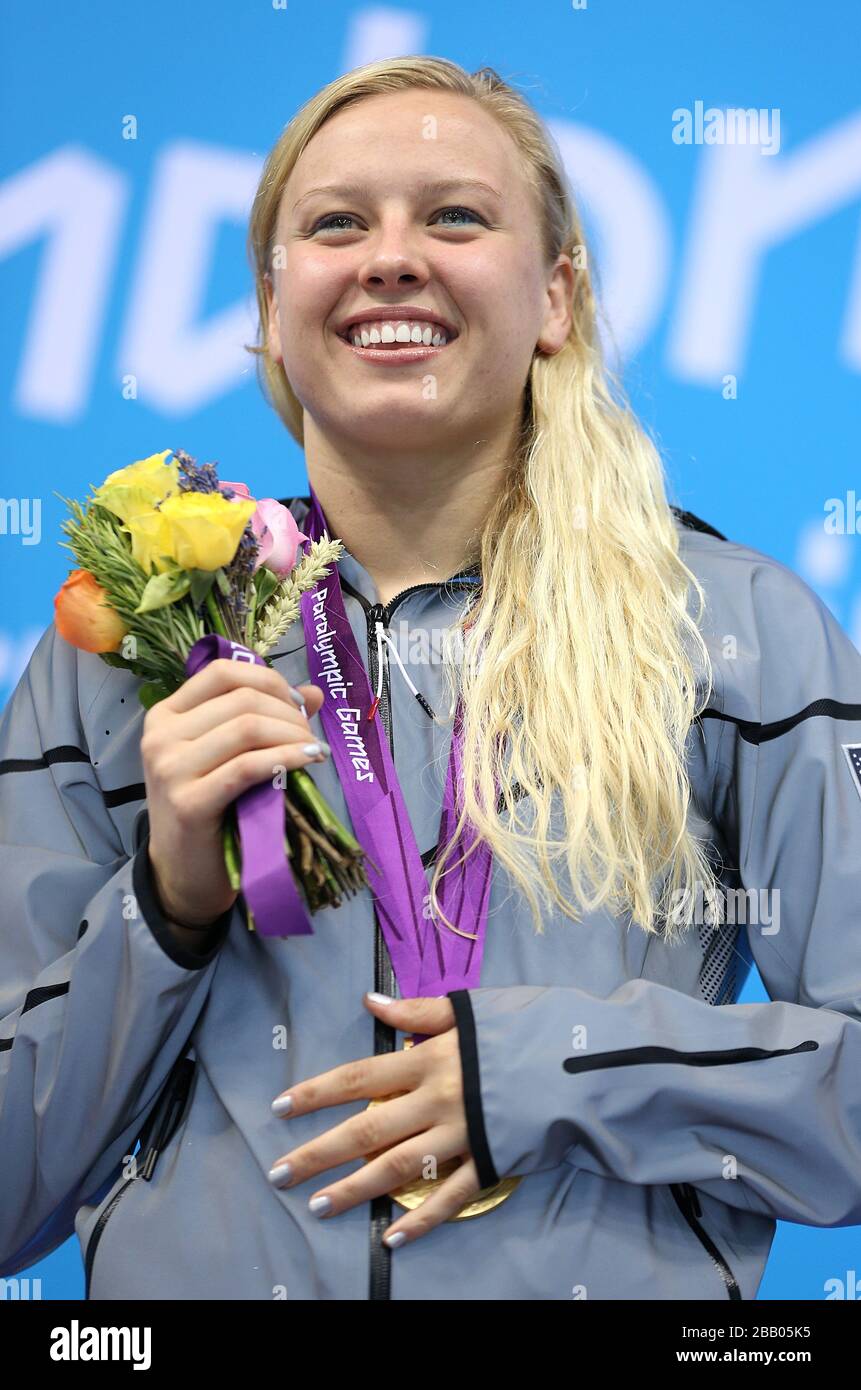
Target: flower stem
232, 854
252, 612
215, 615
306, 791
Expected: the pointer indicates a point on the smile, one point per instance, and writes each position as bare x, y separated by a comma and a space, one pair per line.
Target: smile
394, 341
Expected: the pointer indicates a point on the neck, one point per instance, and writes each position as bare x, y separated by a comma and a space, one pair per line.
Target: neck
407, 520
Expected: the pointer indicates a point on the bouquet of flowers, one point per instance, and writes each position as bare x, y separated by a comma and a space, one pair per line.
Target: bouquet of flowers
167, 555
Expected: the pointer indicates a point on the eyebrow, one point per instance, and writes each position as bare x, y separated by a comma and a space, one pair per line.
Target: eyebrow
360, 190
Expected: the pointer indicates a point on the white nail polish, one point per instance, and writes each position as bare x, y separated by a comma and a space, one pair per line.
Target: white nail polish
282, 1105
380, 998
297, 700
320, 1205
395, 1239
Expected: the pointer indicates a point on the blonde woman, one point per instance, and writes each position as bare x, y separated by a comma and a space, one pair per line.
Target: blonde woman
637, 715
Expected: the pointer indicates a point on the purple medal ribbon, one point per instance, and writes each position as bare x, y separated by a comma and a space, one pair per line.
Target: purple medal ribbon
428, 958
268, 885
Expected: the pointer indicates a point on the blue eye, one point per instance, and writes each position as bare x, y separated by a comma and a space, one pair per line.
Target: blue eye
331, 217
469, 213
325, 223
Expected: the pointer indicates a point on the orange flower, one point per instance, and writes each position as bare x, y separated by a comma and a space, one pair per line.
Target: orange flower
84, 617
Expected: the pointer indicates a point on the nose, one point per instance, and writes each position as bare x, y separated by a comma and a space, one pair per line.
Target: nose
393, 258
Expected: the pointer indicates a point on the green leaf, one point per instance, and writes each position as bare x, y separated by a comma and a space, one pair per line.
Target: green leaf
201, 583
151, 692
265, 583
163, 589
223, 582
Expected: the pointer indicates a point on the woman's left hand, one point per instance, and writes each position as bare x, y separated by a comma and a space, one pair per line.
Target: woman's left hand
411, 1135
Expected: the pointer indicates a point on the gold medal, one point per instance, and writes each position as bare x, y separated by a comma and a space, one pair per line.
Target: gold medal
413, 1193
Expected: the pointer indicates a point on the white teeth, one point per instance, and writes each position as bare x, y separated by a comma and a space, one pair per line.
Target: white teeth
374, 333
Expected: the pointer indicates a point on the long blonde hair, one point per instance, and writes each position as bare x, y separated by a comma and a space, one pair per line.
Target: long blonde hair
577, 669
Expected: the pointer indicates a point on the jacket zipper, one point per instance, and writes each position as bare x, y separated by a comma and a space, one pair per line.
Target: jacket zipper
384, 976
686, 1200
384, 983
97, 1234
647, 1056
155, 1136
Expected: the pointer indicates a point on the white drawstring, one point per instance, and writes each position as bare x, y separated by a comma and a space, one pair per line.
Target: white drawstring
383, 636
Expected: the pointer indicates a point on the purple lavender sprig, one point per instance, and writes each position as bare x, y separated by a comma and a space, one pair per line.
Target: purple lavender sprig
234, 607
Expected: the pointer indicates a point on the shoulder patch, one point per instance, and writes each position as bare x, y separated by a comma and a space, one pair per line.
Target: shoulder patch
853, 757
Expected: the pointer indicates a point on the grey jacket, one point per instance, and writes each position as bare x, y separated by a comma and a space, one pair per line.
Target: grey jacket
655, 1159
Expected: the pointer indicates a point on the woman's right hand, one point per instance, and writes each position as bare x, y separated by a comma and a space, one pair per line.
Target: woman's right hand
228, 727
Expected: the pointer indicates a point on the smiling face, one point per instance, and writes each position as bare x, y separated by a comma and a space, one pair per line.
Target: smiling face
429, 221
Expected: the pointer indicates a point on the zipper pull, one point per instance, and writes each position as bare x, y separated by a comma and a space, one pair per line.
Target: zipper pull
376, 626
168, 1113
376, 614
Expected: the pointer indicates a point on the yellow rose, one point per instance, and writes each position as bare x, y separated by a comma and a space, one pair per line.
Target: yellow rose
198, 530
133, 491
150, 537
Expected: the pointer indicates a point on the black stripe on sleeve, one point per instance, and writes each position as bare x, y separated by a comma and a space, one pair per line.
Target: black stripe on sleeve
752, 732
135, 791
465, 1020
68, 753
63, 753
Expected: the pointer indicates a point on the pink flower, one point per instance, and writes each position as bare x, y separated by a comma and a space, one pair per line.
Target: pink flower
278, 537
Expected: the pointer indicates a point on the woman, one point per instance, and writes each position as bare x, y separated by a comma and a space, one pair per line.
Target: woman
578, 1057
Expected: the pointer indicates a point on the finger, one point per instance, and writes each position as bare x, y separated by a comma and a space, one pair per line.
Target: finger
423, 1015
241, 700
365, 1079
441, 1205
211, 794
389, 1171
222, 675
362, 1136
248, 733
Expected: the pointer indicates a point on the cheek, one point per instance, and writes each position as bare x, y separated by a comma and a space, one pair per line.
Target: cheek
311, 288
495, 289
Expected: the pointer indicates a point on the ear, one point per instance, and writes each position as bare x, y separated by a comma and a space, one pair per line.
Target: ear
273, 331
558, 313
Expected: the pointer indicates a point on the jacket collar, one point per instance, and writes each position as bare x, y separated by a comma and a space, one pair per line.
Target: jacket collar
355, 574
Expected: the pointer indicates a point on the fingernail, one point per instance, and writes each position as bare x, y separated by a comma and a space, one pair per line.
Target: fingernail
320, 1205
282, 1105
280, 1173
297, 697
313, 750
380, 998
395, 1239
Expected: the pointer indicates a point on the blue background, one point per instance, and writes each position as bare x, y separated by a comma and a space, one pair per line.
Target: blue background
89, 297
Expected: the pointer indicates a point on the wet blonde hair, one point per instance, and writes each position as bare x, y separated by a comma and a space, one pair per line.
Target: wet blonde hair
577, 669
